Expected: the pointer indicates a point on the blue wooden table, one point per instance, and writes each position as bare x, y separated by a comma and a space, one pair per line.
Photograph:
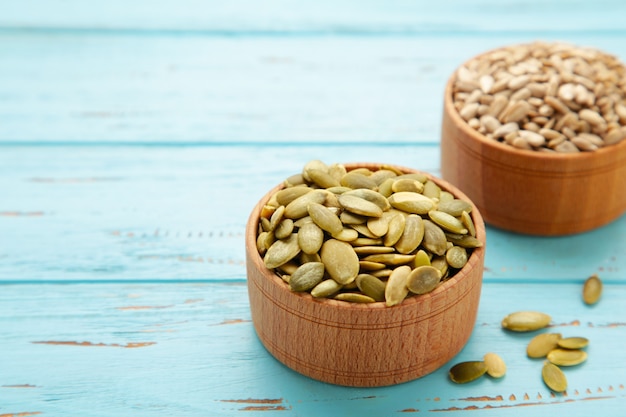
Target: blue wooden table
135, 138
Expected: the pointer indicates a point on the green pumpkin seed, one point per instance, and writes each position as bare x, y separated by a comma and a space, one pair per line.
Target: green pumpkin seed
276, 218
391, 259
289, 268
383, 273
371, 286
379, 226
447, 222
295, 180
287, 195
371, 266
396, 229
496, 368
313, 164
412, 235
326, 288
465, 241
354, 297
411, 202
348, 218
382, 175
445, 197
346, 234
526, 321
365, 241
414, 176
454, 207
431, 190
434, 238
421, 259
337, 171
284, 229
340, 261
465, 372
573, 343
322, 178
299, 207
307, 276
324, 218
372, 250
371, 196
592, 290
354, 180
553, 377
423, 279
542, 344
440, 263
310, 238
282, 251
396, 289
407, 184
358, 205
385, 188
456, 257
567, 357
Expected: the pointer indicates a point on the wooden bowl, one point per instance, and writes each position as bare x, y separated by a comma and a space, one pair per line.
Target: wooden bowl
364, 345
532, 192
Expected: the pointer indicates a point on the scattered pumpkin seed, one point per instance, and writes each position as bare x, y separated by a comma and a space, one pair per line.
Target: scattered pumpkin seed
465, 372
567, 357
553, 377
540, 345
573, 343
592, 290
526, 321
496, 368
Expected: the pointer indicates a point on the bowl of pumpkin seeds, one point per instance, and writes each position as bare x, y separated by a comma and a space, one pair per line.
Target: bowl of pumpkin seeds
364, 274
535, 135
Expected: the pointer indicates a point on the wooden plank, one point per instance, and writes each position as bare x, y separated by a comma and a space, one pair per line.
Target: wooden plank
171, 213
330, 16
159, 88
185, 349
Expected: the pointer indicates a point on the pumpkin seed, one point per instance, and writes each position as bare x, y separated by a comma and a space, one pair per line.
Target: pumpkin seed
553, 377
464, 372
434, 238
407, 184
287, 195
465, 241
447, 222
276, 218
354, 297
346, 234
371, 196
371, 250
322, 178
371, 286
396, 289
358, 205
313, 164
573, 343
348, 218
592, 290
379, 226
454, 207
340, 261
525, 321
324, 218
284, 229
412, 235
567, 357
423, 279
467, 221
299, 207
456, 257
282, 251
356, 180
431, 190
310, 238
496, 368
371, 266
391, 259
326, 288
440, 263
421, 259
395, 230
542, 344
307, 276
411, 202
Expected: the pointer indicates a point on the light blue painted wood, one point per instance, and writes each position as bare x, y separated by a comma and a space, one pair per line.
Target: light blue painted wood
200, 355
171, 213
212, 89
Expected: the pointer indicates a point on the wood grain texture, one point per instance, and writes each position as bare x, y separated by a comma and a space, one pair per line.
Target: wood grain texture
206, 358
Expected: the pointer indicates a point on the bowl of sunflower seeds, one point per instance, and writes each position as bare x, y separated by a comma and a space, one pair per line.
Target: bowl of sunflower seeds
364, 274
535, 135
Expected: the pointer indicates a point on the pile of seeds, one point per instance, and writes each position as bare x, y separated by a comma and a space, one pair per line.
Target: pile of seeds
364, 235
549, 97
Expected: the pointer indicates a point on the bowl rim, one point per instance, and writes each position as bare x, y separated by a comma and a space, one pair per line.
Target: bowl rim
475, 260
501, 147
